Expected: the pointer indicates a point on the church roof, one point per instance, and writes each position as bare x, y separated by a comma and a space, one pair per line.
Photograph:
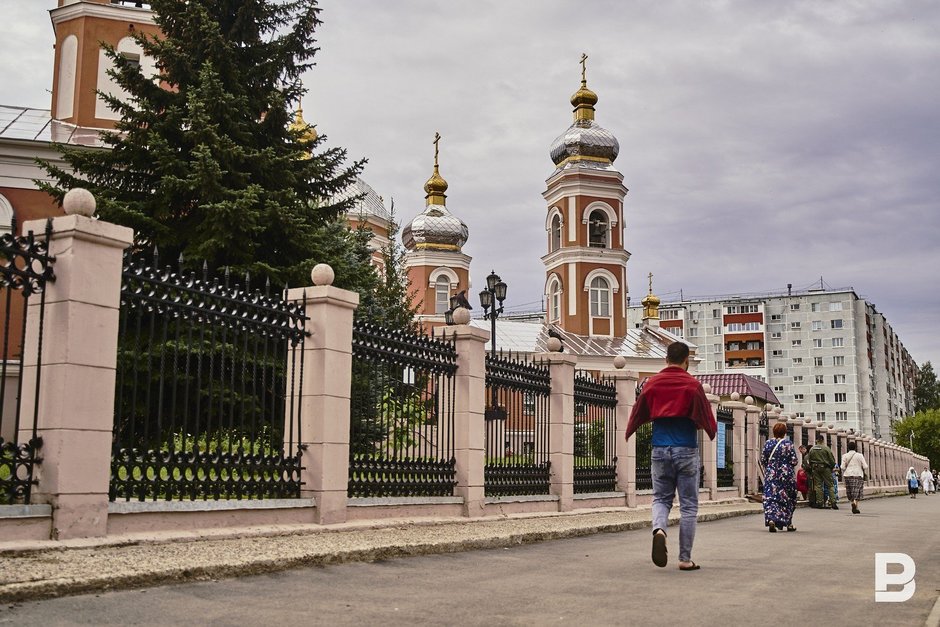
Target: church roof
27, 124
724, 384
370, 203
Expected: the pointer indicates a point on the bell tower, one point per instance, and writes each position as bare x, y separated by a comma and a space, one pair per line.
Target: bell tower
81, 66
586, 263
437, 266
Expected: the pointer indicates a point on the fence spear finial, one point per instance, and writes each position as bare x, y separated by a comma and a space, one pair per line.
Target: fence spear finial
156, 256
205, 270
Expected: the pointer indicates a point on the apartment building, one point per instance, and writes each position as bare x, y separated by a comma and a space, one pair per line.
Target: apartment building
828, 354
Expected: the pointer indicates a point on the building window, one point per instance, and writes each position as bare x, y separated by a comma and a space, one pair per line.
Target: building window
795, 307
837, 342
842, 415
597, 229
600, 296
556, 232
817, 343
555, 298
817, 361
716, 348
817, 325
795, 325
835, 306
797, 361
777, 371
841, 397
776, 335
737, 327
838, 378
820, 398
838, 360
753, 346
821, 416
716, 313
814, 307
735, 309
798, 398
716, 330
778, 388
836, 324
693, 331
796, 343
776, 353
528, 403
800, 414
718, 365
798, 379
441, 294
819, 378
775, 317
668, 314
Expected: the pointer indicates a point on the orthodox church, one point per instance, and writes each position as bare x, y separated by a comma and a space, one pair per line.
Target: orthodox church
585, 282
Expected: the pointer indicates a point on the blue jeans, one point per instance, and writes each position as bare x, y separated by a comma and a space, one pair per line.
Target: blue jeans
676, 468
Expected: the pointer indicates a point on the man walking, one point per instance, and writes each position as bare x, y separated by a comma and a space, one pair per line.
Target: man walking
821, 461
677, 406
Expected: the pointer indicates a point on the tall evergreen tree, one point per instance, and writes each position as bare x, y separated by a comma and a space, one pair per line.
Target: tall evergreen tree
204, 162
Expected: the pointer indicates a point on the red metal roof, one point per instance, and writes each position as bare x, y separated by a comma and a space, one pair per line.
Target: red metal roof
725, 384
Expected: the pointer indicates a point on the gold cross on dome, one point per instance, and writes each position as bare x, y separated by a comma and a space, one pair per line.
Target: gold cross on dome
437, 139
583, 66
651, 282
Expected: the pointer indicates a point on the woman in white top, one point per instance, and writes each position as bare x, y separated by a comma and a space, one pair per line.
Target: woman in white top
926, 482
854, 469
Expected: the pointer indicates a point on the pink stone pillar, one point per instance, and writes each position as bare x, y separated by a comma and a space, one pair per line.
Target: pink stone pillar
325, 397
710, 453
623, 449
469, 407
561, 428
843, 443
810, 427
79, 360
752, 453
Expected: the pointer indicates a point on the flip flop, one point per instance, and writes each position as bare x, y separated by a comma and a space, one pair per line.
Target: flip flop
659, 549
694, 566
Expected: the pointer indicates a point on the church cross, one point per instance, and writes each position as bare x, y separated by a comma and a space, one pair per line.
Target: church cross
583, 66
437, 139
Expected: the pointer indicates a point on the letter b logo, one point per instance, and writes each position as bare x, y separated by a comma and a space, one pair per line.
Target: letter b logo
883, 578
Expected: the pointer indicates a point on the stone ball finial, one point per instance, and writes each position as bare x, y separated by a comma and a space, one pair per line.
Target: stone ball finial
768, 407
620, 362
808, 421
553, 344
461, 315
831, 426
322, 274
707, 388
79, 202
749, 399
735, 396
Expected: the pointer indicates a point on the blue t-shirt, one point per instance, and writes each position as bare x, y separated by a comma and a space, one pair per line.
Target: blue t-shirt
674, 432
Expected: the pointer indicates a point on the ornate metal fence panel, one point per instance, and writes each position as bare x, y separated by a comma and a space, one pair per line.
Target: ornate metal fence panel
402, 414
517, 401
763, 434
25, 269
644, 457
595, 461
726, 474
207, 404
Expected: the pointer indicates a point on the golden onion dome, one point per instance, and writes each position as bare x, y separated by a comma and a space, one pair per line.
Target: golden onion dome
584, 98
435, 228
307, 132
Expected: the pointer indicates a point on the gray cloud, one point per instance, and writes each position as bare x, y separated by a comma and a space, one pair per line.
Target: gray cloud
763, 143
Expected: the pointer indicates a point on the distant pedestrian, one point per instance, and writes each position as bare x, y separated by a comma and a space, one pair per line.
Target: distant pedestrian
821, 461
912, 483
778, 459
855, 471
675, 403
926, 481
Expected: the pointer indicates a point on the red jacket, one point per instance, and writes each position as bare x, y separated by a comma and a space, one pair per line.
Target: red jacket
673, 393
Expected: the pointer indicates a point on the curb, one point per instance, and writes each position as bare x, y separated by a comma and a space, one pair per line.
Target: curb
98, 582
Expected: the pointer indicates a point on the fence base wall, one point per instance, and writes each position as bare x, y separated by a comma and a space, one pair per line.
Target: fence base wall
385, 508
151, 517
25, 522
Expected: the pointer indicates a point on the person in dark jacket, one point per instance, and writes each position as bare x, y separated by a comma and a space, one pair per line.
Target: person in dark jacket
675, 403
821, 460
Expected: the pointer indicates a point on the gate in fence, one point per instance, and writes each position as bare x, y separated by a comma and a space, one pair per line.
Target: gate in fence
208, 388
595, 462
517, 453
401, 414
726, 469
25, 269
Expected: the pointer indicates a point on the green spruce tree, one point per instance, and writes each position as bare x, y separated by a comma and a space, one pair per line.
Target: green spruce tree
204, 163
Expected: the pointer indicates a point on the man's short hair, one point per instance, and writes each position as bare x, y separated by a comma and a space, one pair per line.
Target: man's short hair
820, 439
677, 352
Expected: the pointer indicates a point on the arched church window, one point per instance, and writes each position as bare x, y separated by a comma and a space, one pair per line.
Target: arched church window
6, 215
441, 294
597, 229
600, 297
556, 232
555, 302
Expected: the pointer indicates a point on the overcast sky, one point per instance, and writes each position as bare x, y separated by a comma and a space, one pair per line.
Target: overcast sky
763, 143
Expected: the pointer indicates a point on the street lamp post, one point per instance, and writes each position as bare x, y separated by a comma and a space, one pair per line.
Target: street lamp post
492, 299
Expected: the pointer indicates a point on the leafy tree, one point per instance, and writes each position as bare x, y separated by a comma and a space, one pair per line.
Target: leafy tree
204, 162
926, 428
926, 389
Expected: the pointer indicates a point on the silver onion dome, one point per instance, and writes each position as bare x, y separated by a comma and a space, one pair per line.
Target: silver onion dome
585, 138
370, 203
435, 228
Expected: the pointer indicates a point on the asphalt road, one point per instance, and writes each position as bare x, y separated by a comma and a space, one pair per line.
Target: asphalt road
823, 574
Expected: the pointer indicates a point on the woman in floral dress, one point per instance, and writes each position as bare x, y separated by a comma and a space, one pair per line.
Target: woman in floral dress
778, 459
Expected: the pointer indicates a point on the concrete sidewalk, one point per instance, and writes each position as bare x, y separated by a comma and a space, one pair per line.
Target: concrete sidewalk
30, 571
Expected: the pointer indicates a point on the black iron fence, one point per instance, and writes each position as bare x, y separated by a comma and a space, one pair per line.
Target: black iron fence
644, 457
208, 388
401, 414
595, 461
25, 269
517, 399
726, 469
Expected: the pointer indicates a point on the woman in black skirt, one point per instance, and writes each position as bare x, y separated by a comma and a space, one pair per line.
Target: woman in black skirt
854, 469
